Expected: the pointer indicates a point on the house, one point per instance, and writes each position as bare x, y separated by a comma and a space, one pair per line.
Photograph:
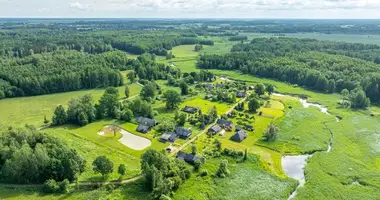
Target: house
183, 133
219, 85
251, 87
209, 86
241, 94
146, 121
215, 129
249, 127
228, 125
189, 158
239, 136
209, 96
168, 137
238, 128
190, 109
143, 128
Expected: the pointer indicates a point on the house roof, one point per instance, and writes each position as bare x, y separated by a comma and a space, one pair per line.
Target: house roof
146, 121
248, 126
166, 136
188, 157
239, 136
189, 109
225, 122
220, 85
181, 131
241, 94
143, 128
216, 128
209, 86
238, 128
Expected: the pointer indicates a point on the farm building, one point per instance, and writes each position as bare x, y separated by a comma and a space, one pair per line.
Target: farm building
215, 129
190, 109
225, 124
143, 128
241, 94
182, 132
189, 158
146, 121
168, 137
239, 136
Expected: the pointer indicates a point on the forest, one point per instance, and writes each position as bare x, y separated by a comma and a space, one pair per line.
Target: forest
323, 66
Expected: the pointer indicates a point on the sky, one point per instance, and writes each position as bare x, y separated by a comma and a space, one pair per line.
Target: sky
315, 9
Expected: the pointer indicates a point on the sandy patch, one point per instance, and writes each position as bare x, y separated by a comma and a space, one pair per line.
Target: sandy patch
133, 141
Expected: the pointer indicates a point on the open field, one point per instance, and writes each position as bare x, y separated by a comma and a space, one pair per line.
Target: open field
31, 110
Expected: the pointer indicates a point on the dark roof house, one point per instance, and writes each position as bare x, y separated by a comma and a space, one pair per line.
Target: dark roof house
241, 94
239, 136
209, 96
189, 158
215, 129
146, 121
219, 85
209, 86
143, 128
190, 109
225, 123
182, 132
168, 137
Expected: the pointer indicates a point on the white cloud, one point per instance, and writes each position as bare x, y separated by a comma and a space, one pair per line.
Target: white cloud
197, 8
78, 5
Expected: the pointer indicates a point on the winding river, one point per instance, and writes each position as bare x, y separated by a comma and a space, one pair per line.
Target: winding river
293, 166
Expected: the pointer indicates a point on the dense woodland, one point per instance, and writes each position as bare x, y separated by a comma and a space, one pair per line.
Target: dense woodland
323, 66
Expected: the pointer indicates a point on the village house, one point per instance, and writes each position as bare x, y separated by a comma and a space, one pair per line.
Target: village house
215, 129
183, 133
249, 127
209, 87
189, 109
227, 125
219, 85
240, 94
143, 128
239, 136
146, 121
168, 137
189, 158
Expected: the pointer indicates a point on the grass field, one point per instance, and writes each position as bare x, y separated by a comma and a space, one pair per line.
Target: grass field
349, 171
31, 110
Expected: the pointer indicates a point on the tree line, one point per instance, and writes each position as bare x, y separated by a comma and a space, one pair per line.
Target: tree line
60, 71
281, 59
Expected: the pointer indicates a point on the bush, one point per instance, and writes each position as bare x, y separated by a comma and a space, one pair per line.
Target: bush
187, 173
197, 165
64, 186
203, 173
232, 153
51, 186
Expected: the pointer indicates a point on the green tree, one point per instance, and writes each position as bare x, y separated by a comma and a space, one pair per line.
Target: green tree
109, 101
218, 145
270, 89
260, 89
148, 91
60, 116
121, 170
127, 115
182, 119
131, 76
253, 105
184, 88
359, 99
271, 132
126, 92
46, 121
213, 113
172, 98
82, 119
102, 165
193, 149
223, 169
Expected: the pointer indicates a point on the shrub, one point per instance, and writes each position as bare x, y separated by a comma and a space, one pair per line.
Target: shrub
197, 165
203, 173
64, 186
164, 197
51, 186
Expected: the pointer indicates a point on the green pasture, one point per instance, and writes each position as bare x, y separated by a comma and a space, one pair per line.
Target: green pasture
31, 110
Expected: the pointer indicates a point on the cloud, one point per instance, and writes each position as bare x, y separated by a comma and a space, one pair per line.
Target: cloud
77, 5
44, 10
